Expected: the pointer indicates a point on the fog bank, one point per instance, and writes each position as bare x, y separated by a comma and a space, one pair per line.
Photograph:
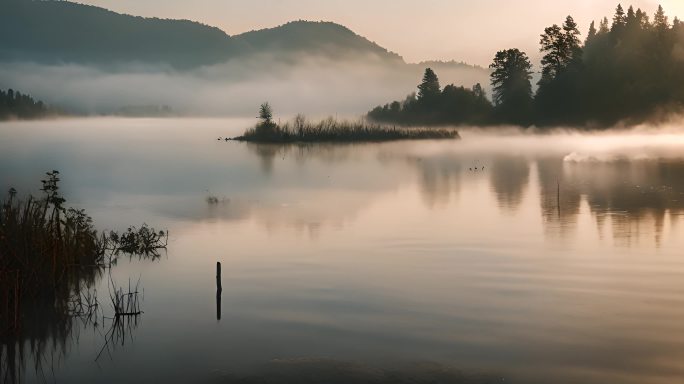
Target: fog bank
314, 86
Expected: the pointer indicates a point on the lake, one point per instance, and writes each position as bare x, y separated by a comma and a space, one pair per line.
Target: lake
501, 257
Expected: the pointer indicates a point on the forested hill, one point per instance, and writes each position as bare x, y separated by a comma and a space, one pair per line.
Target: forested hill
321, 38
65, 32
61, 31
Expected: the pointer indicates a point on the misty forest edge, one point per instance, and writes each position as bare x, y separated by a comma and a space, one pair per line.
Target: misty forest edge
624, 72
627, 71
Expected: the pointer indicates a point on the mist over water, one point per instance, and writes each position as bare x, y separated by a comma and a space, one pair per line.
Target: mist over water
312, 85
636, 143
500, 256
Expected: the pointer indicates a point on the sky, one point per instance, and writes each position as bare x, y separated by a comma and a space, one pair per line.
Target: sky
418, 30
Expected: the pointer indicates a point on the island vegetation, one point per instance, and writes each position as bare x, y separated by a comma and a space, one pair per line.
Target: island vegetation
433, 105
15, 105
629, 70
333, 130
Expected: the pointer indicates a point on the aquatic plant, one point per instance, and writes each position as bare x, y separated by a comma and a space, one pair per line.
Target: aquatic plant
143, 241
125, 303
50, 259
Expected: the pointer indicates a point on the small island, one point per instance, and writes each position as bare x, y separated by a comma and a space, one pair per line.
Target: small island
332, 130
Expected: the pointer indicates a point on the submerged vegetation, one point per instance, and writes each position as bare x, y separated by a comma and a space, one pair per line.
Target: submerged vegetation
332, 130
50, 259
630, 70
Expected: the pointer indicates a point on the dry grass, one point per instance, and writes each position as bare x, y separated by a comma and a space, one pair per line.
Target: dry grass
332, 130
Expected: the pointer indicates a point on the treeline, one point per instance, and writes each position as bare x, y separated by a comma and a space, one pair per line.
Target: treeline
15, 105
628, 69
435, 106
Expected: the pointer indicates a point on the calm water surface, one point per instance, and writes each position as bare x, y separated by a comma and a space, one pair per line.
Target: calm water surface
558, 260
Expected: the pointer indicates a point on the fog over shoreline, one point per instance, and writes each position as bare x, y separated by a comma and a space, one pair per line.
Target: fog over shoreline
312, 85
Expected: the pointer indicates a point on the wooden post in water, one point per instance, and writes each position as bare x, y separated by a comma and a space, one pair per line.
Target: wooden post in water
219, 290
558, 197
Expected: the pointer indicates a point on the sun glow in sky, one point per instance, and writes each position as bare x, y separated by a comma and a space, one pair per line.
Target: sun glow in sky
418, 30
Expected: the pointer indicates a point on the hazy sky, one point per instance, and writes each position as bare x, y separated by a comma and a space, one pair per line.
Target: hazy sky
416, 29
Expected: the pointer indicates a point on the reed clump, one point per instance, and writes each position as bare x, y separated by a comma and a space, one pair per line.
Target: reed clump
51, 257
125, 303
333, 130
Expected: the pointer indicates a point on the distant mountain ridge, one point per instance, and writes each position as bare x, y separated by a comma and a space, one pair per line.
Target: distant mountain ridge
65, 32
90, 60
322, 37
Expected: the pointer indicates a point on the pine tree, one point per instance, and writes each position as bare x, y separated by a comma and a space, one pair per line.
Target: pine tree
631, 16
641, 19
571, 37
603, 27
592, 33
429, 89
266, 114
478, 91
562, 46
660, 21
619, 19
511, 77
553, 44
